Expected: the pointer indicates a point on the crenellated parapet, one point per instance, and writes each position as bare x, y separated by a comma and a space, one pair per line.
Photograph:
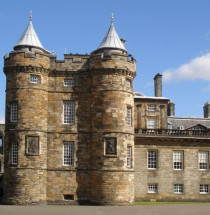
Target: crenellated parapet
71, 62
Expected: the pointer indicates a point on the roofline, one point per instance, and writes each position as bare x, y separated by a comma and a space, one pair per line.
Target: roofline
151, 98
32, 47
199, 118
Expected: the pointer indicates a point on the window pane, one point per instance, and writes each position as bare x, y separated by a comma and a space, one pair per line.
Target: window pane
152, 159
203, 160
151, 107
129, 156
14, 153
14, 112
151, 123
68, 153
34, 79
68, 82
152, 188
178, 188
68, 112
128, 83
178, 160
129, 115
204, 188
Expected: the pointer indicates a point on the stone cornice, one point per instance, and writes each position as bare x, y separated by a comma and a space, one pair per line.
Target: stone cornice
108, 71
26, 69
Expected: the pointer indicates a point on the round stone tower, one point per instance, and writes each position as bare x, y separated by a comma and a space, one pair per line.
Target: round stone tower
112, 71
26, 69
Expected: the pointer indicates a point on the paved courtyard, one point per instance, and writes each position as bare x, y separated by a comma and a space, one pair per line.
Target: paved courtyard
178, 209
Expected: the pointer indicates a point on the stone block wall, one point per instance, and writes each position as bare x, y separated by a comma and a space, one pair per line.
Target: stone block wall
165, 176
141, 114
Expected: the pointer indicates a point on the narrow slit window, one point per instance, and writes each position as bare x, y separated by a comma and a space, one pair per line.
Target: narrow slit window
14, 154
14, 112
129, 156
129, 116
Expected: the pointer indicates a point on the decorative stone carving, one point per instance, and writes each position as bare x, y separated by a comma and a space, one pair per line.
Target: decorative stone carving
111, 145
32, 145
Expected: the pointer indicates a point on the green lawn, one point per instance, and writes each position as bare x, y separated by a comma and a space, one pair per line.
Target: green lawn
159, 203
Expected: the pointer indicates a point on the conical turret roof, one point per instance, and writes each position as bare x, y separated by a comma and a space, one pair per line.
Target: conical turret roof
112, 40
29, 38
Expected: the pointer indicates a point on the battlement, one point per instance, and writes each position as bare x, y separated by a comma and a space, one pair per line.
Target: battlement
71, 62
26, 58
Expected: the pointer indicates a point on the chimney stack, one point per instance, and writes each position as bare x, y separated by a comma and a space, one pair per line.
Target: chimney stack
206, 110
158, 85
171, 108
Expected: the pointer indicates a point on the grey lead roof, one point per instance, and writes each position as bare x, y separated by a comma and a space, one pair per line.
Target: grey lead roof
112, 40
29, 38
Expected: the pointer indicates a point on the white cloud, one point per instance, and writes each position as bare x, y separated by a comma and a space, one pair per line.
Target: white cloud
2, 119
198, 68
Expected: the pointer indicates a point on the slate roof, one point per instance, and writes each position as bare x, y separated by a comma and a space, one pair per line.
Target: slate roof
188, 123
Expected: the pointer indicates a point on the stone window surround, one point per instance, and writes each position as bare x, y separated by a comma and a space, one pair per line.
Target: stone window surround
152, 189
14, 154
13, 111
68, 112
178, 160
35, 79
178, 188
152, 107
203, 160
129, 156
68, 82
68, 153
129, 116
128, 83
204, 188
152, 156
151, 123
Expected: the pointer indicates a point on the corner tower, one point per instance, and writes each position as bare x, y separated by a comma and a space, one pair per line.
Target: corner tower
26, 71
112, 72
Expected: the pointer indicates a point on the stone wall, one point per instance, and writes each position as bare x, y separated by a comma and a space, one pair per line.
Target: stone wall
142, 114
165, 176
26, 181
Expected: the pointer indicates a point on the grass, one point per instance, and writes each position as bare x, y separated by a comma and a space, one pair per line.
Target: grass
166, 203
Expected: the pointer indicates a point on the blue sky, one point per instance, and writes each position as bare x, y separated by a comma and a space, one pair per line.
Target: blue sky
171, 37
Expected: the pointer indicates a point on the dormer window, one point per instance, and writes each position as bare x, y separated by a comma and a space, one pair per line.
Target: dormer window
34, 79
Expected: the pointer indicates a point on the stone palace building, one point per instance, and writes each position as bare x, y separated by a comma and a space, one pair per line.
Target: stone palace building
75, 132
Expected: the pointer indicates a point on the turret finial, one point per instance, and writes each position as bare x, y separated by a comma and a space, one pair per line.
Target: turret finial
30, 16
112, 17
